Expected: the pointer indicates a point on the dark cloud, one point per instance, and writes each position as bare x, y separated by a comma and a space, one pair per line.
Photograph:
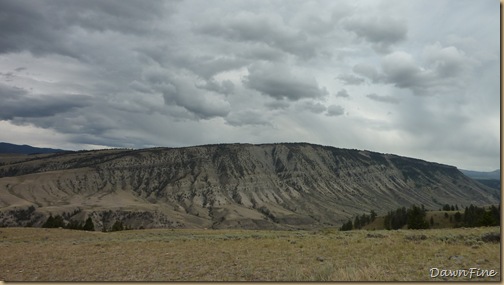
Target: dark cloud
335, 110
279, 82
182, 92
268, 29
350, 79
49, 27
382, 98
17, 102
166, 72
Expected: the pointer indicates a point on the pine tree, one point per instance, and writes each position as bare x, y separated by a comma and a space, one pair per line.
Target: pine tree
347, 226
49, 223
357, 223
88, 225
74, 225
416, 218
117, 226
373, 215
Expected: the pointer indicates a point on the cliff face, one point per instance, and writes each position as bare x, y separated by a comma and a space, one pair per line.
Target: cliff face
237, 185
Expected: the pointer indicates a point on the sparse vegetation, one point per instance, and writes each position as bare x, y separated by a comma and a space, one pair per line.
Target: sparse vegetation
241, 255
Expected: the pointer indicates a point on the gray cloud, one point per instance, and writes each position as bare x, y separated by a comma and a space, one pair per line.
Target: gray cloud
247, 117
382, 32
17, 102
335, 110
277, 104
368, 71
313, 107
47, 27
268, 29
383, 98
180, 73
350, 79
279, 82
342, 93
225, 87
446, 69
203, 104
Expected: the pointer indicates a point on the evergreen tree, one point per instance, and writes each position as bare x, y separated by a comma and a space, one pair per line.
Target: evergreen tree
347, 226
74, 225
416, 218
54, 222
458, 217
357, 223
49, 223
88, 225
117, 226
373, 215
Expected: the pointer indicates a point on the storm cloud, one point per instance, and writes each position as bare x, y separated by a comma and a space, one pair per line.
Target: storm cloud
414, 78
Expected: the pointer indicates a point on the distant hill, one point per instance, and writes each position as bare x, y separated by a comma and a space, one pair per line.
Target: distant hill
490, 179
267, 186
25, 149
478, 175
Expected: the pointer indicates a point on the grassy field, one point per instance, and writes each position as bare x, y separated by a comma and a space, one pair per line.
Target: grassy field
35, 254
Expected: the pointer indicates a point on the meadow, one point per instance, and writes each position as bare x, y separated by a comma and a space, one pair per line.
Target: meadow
37, 254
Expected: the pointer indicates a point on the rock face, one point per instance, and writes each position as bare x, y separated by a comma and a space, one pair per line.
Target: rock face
276, 186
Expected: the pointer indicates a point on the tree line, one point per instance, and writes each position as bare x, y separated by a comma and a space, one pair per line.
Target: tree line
414, 218
88, 225
58, 222
478, 217
359, 222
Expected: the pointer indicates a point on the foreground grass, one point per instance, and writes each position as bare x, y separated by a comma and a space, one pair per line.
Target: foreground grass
34, 254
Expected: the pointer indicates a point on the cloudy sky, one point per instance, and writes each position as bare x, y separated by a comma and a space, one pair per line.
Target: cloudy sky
415, 78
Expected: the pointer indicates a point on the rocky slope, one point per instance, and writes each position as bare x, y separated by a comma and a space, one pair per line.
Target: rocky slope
295, 185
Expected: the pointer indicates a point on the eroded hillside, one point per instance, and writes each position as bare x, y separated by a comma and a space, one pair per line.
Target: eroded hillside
235, 185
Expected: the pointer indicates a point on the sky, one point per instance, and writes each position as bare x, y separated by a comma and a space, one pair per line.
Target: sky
414, 78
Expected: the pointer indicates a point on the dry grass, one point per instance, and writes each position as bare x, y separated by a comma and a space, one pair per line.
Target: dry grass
33, 254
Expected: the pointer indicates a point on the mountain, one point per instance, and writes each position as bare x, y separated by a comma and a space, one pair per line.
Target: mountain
267, 186
25, 149
490, 179
495, 175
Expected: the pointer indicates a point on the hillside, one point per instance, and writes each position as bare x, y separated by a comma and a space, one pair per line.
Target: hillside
25, 149
268, 186
490, 179
493, 175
